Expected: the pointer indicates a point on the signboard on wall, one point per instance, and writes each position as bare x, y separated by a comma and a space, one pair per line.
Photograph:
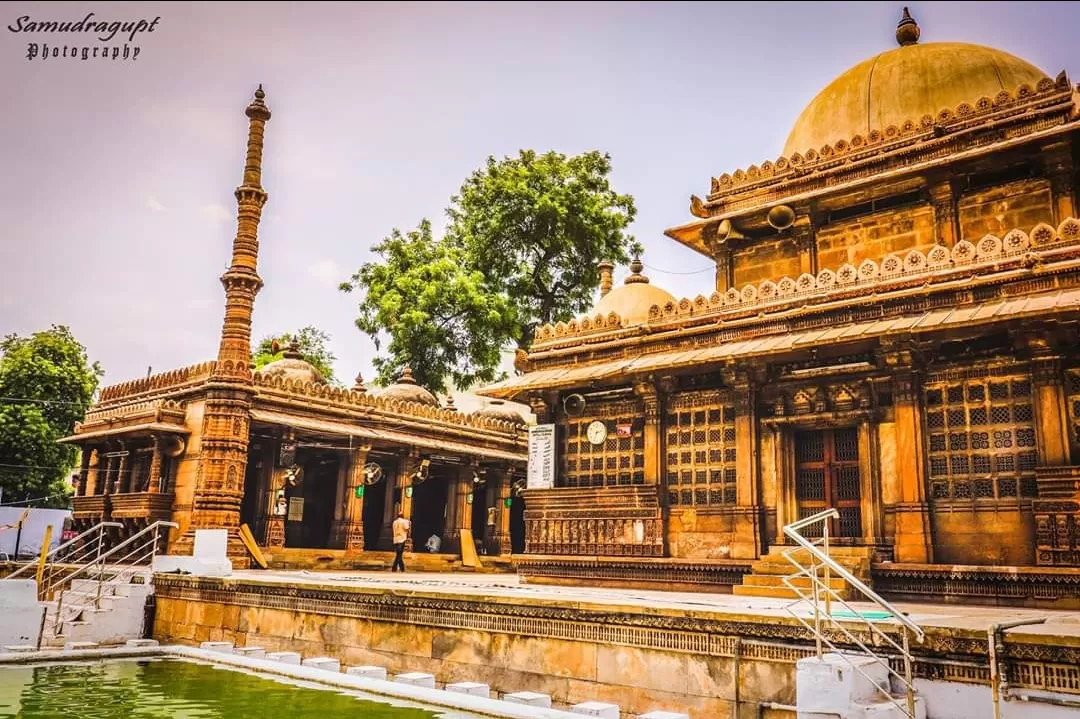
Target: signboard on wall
541, 456
296, 509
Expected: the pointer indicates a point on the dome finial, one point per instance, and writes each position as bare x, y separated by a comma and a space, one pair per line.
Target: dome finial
406, 376
907, 31
635, 276
292, 351
358, 385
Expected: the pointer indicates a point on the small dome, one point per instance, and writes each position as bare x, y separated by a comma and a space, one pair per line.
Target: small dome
293, 366
406, 390
633, 299
498, 409
906, 83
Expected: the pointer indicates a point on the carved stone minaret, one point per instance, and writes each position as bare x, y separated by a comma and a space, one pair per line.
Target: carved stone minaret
219, 484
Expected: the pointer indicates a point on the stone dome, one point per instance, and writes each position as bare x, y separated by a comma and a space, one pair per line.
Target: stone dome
906, 83
407, 390
498, 409
293, 366
632, 300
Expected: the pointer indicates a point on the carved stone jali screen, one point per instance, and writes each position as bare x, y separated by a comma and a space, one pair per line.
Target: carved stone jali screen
700, 450
980, 434
619, 460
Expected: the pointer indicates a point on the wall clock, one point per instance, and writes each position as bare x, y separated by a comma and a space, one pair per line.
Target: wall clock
597, 432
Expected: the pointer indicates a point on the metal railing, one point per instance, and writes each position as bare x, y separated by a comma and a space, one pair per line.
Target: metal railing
820, 595
110, 569
82, 548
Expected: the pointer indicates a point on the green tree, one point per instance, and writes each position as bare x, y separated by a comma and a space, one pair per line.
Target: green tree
537, 226
441, 318
47, 385
311, 342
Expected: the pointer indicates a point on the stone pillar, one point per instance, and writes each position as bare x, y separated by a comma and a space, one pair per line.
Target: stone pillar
459, 511
354, 500
386, 539
650, 400
870, 484
787, 509
84, 471
914, 540
93, 476
154, 481
337, 526
722, 256
106, 477
274, 532
404, 481
1058, 165
806, 242
123, 473
747, 541
1051, 410
946, 218
502, 533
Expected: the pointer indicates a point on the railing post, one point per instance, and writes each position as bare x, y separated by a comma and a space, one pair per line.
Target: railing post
907, 674
828, 584
817, 606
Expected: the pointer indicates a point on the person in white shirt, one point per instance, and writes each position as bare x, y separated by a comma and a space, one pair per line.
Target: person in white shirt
401, 529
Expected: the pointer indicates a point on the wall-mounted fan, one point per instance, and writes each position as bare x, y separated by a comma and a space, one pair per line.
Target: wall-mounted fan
294, 475
519, 486
421, 472
373, 473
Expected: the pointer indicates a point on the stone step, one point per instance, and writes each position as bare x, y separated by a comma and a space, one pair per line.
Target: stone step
744, 590
776, 580
142, 642
76, 646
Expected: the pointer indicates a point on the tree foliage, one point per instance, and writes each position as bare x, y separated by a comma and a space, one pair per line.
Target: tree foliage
311, 342
537, 226
47, 385
440, 316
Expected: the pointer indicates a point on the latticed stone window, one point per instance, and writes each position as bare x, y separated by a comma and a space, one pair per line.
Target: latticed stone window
1072, 388
980, 434
617, 461
700, 454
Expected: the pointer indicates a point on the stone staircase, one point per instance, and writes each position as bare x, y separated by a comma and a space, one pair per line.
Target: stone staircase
114, 619
766, 578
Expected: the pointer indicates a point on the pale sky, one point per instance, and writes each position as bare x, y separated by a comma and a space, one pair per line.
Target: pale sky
116, 192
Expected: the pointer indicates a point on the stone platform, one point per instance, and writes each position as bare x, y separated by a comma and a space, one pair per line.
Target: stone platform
698, 653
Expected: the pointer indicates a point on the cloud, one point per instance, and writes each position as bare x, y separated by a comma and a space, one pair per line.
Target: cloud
326, 272
216, 213
152, 203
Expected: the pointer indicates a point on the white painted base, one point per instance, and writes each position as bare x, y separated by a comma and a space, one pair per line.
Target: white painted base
368, 672
256, 652
596, 709
475, 689
416, 679
328, 664
284, 657
178, 564
664, 715
831, 685
532, 699
21, 612
226, 647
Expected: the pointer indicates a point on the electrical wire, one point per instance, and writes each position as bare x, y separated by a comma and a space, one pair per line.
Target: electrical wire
674, 272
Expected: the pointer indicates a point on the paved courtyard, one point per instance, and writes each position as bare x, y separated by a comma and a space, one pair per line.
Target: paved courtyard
507, 587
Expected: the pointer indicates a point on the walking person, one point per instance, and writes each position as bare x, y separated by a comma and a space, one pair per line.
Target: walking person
401, 528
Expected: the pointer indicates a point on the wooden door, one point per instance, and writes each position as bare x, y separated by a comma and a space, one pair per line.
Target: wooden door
827, 475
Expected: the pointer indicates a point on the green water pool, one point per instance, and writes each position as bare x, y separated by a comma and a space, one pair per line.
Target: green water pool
177, 689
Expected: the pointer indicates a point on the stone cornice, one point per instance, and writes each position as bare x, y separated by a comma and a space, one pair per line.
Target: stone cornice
948, 133
748, 312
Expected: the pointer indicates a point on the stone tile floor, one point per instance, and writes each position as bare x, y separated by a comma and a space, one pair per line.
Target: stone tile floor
508, 587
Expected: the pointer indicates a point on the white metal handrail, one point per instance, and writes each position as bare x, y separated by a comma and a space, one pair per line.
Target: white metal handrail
81, 543
131, 555
821, 591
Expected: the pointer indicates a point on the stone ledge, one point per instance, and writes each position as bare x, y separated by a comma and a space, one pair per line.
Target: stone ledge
1032, 587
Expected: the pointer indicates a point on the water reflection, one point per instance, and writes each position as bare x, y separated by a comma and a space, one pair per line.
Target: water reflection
170, 689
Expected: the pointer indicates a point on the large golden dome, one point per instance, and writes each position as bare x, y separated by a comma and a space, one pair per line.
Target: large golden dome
904, 84
632, 300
